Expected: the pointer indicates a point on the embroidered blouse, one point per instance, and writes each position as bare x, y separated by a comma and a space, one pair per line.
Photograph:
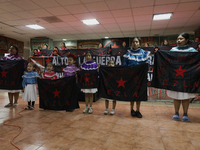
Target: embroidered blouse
136, 57
70, 70
89, 65
185, 48
49, 75
12, 57
29, 78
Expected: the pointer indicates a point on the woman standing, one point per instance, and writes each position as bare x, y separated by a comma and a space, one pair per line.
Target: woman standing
178, 97
136, 56
13, 94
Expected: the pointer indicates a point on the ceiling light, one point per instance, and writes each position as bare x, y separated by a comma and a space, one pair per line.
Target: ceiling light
90, 22
162, 16
34, 26
106, 37
64, 39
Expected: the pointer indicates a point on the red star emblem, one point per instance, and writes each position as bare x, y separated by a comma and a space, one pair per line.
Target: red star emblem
121, 82
180, 71
87, 79
4, 73
48, 61
56, 93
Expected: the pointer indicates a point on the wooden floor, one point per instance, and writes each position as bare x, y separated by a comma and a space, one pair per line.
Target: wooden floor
61, 130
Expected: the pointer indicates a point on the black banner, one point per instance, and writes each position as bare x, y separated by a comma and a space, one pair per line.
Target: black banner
87, 79
11, 74
124, 83
177, 71
58, 94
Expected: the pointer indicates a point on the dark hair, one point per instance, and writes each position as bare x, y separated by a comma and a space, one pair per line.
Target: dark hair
56, 48
32, 64
46, 45
164, 41
186, 36
64, 44
139, 39
15, 48
50, 63
89, 53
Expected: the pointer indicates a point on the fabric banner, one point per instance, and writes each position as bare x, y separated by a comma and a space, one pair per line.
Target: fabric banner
124, 83
177, 71
87, 79
11, 74
58, 94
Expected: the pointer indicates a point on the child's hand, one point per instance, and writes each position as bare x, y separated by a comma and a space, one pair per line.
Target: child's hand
97, 70
62, 77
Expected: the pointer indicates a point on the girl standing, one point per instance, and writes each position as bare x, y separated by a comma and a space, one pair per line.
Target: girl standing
29, 83
71, 69
89, 65
111, 63
136, 56
49, 74
182, 46
13, 94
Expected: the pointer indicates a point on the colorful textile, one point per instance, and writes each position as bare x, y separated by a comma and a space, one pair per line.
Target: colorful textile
89, 65
70, 70
29, 78
136, 57
49, 75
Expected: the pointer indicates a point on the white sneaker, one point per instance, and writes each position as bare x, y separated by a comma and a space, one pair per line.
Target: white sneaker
106, 111
112, 112
90, 110
86, 109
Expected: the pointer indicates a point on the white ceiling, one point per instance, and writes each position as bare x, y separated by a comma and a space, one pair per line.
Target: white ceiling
118, 18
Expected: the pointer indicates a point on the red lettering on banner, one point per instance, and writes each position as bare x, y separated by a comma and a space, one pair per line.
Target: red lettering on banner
196, 84
125, 94
67, 103
46, 104
175, 82
13, 83
135, 94
164, 80
184, 84
150, 69
60, 104
54, 103
108, 92
118, 93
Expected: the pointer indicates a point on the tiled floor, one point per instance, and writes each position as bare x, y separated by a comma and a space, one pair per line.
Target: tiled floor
61, 130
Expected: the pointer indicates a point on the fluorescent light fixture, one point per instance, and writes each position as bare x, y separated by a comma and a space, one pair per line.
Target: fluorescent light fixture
64, 39
34, 26
106, 37
90, 22
162, 16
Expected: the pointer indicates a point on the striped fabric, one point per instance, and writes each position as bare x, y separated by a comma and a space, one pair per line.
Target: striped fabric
49, 75
136, 57
70, 70
12, 57
183, 49
29, 78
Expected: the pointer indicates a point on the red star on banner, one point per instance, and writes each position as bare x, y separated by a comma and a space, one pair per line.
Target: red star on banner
4, 73
56, 93
121, 82
48, 61
180, 71
87, 79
